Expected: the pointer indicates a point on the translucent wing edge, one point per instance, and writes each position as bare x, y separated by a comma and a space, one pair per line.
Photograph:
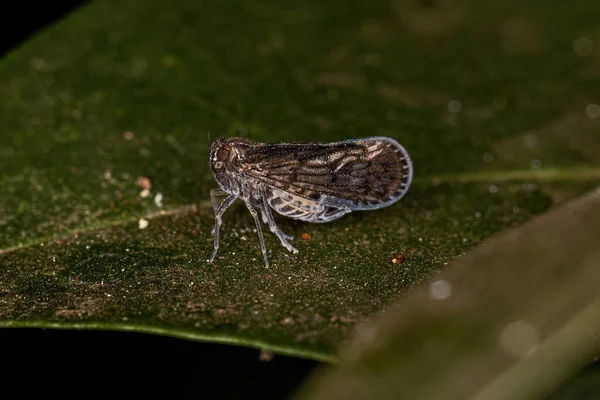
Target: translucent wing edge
336, 202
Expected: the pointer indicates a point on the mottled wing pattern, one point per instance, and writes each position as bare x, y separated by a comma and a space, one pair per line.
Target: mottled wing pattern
354, 174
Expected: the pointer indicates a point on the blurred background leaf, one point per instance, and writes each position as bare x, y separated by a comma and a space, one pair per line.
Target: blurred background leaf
510, 320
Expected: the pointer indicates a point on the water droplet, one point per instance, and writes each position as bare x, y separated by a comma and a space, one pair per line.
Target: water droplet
535, 163
488, 157
128, 135
454, 106
440, 290
593, 111
519, 337
493, 189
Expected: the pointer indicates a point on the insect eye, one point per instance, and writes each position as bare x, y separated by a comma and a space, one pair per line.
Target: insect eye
222, 154
218, 165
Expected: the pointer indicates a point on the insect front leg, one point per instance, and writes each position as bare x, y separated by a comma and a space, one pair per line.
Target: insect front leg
273, 226
219, 220
213, 198
258, 227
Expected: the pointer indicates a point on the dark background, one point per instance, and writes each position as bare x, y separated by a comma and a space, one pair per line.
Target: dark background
116, 362
121, 363
20, 20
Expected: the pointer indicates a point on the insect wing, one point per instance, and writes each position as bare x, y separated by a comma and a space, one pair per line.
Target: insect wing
356, 174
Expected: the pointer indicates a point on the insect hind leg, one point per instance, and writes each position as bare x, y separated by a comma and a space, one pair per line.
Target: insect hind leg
262, 207
266, 209
258, 229
330, 214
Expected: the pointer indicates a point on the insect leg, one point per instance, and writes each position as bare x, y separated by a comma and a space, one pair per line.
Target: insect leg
213, 198
331, 214
266, 220
258, 228
273, 226
265, 206
219, 220
263, 215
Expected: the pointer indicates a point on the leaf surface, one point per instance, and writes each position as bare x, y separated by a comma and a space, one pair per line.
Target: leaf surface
496, 111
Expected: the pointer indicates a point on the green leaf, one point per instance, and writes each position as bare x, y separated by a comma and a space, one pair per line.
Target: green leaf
487, 107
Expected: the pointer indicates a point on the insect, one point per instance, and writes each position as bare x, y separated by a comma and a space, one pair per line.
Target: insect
311, 182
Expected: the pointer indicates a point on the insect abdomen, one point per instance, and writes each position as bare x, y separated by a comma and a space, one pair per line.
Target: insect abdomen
292, 206
298, 208
302, 209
